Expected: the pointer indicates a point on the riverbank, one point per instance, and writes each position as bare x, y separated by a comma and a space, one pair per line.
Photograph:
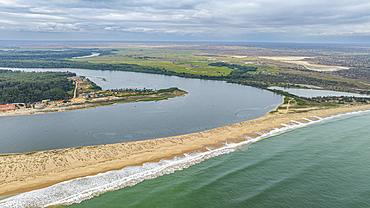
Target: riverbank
29, 171
82, 103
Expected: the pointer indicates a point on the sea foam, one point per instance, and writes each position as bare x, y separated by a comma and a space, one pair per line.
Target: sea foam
80, 189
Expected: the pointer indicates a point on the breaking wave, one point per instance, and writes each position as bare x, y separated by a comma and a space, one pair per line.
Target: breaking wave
80, 189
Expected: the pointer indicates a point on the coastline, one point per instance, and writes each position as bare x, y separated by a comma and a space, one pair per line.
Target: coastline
29, 171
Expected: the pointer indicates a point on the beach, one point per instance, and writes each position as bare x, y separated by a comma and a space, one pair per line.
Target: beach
29, 171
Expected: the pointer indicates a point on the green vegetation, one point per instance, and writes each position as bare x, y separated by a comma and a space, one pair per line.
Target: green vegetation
127, 95
241, 76
93, 86
208, 62
238, 68
128, 92
172, 89
286, 100
329, 101
29, 54
30, 87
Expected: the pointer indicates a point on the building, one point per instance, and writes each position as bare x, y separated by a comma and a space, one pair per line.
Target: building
56, 102
39, 106
8, 107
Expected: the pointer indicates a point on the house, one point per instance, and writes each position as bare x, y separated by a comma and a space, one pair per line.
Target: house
39, 106
8, 107
56, 102
84, 95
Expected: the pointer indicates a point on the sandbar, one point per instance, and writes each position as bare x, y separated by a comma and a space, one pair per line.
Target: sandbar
29, 171
298, 60
81, 103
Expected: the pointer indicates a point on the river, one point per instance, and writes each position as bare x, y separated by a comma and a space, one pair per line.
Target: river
320, 164
208, 105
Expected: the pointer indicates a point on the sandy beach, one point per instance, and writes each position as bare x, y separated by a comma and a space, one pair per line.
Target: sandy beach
29, 171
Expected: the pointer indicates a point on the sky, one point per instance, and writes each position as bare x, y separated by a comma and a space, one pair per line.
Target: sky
187, 20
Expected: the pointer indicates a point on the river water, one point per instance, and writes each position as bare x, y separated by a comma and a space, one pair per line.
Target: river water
209, 104
322, 163
310, 93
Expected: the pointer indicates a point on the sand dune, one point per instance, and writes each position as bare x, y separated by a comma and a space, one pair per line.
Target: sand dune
29, 171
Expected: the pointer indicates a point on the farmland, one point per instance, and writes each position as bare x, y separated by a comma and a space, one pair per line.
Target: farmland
257, 65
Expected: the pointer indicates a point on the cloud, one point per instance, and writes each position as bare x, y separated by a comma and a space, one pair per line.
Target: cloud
53, 27
31, 16
211, 18
9, 22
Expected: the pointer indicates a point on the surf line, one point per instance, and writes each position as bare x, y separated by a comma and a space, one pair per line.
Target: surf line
80, 189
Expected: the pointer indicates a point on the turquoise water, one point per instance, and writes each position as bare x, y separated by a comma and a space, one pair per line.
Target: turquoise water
322, 165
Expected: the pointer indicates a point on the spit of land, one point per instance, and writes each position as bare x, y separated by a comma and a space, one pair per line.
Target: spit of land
34, 170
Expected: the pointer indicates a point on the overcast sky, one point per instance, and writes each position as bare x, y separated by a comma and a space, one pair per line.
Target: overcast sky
183, 20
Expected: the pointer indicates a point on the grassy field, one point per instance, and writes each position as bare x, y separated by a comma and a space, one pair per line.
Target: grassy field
187, 61
182, 61
249, 65
196, 62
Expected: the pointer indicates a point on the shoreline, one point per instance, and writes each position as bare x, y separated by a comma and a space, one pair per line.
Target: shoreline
30, 171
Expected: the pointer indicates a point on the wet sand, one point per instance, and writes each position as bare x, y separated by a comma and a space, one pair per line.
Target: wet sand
24, 172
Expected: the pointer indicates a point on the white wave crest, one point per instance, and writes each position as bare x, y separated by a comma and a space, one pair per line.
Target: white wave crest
80, 189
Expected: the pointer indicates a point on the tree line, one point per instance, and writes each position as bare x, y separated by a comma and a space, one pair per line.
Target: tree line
240, 73
30, 87
48, 54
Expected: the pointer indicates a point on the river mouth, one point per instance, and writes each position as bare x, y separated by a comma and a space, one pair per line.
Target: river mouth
209, 104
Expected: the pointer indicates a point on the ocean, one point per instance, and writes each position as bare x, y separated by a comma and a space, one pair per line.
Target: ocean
323, 163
